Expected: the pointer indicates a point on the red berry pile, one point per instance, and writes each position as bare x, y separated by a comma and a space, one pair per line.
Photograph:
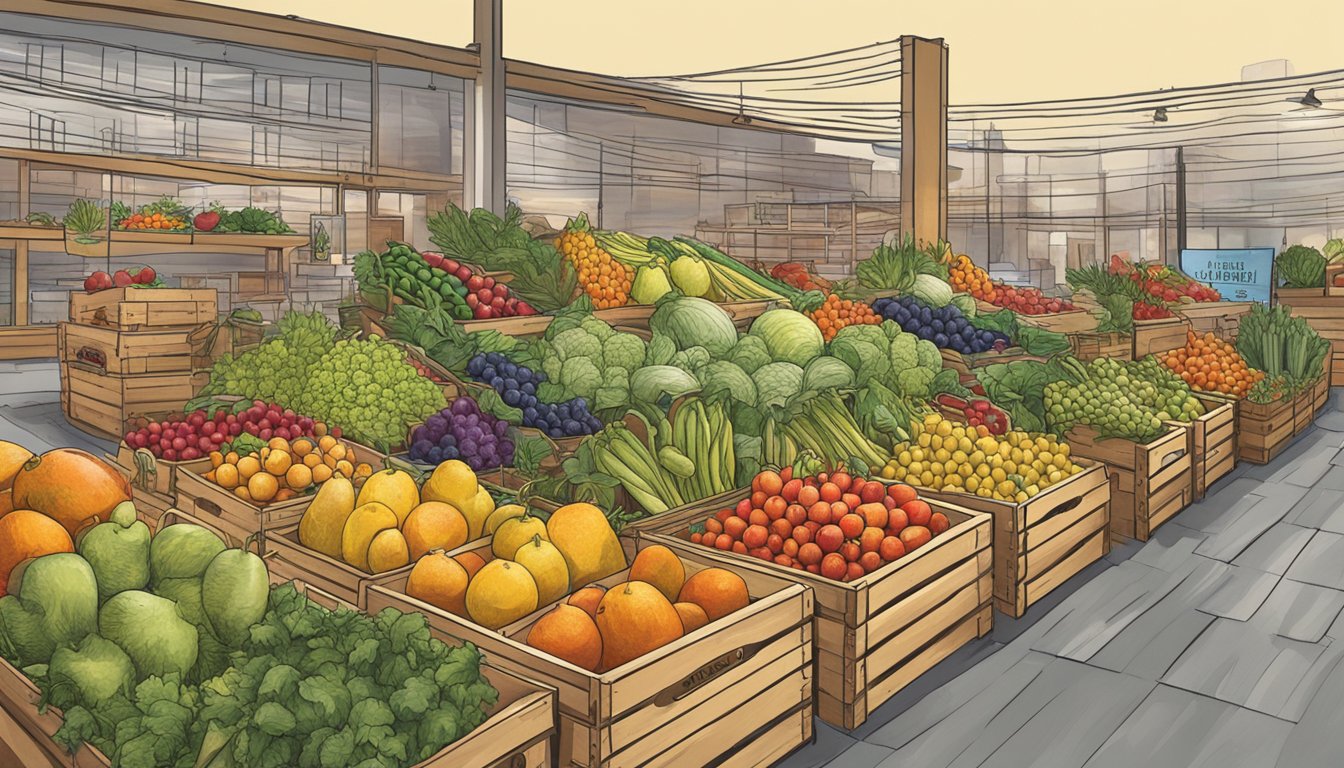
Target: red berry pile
199, 433
487, 298
835, 525
1029, 301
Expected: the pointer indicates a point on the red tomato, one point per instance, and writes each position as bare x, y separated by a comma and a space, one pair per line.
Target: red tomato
695, 538
786, 474
902, 493
784, 560
851, 500
870, 561
842, 480
808, 495
775, 543
872, 491
914, 537
724, 542
743, 508
918, 512
938, 523
855, 572
735, 527
757, 501
892, 549
739, 548
796, 514
830, 492
874, 514
755, 536
830, 537
897, 522
791, 489
851, 525
713, 525
809, 554
791, 546
758, 517
834, 567
838, 510
802, 534
768, 482
819, 513
782, 527
775, 506
850, 551
871, 539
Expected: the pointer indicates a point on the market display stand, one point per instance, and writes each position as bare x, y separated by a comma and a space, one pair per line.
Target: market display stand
1325, 314
876, 634
736, 692
1150, 482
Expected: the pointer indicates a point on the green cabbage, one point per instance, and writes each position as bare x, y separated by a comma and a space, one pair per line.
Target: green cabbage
148, 628
650, 384
728, 379
790, 336
96, 670
966, 303
750, 353
777, 384
826, 373
691, 322
932, 291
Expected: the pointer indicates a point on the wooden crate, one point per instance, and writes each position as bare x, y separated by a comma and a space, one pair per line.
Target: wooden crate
125, 352
1334, 279
517, 734
965, 364
670, 707
877, 634
1263, 429
1077, 321
154, 477
744, 312
1042, 542
1221, 318
1150, 482
1325, 314
139, 309
288, 559
1304, 412
1154, 336
1212, 443
1090, 346
99, 402
1321, 392
1292, 296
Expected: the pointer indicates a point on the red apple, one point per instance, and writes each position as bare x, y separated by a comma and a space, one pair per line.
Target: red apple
145, 276
122, 278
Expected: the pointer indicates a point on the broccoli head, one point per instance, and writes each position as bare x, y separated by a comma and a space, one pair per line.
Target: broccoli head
581, 377
915, 382
904, 352
577, 342
596, 327
623, 351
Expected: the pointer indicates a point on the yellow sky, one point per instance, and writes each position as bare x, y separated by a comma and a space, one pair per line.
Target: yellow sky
1000, 51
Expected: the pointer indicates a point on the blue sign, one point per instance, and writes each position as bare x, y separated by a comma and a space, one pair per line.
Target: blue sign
1239, 274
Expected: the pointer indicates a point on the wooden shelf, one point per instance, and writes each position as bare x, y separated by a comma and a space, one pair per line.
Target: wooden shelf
21, 342
30, 232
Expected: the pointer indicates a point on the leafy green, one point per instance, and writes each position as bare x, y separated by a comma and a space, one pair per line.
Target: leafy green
1019, 388
895, 268
1300, 266
1040, 342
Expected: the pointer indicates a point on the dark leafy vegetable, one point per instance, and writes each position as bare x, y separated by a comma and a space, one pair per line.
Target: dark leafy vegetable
1301, 266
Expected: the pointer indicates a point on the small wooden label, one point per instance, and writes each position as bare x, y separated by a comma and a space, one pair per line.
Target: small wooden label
704, 674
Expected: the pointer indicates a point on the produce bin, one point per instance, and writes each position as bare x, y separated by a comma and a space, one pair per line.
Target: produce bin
1090, 346
288, 559
517, 734
98, 402
140, 309
1150, 482
1221, 318
1043, 541
1077, 321
1156, 336
1325, 314
744, 312
125, 352
877, 634
1304, 411
240, 519
736, 692
153, 480
1264, 429
1212, 443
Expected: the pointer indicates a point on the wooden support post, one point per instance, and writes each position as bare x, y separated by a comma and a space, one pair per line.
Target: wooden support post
489, 142
924, 139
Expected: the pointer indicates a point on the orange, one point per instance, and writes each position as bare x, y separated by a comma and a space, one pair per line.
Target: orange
262, 486
434, 525
471, 561
226, 476
247, 467
24, 534
441, 581
278, 462
299, 477
570, 634
321, 474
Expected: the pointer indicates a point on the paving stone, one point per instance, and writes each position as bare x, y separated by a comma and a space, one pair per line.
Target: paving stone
1318, 738
861, 755
1177, 729
1171, 546
827, 748
1259, 515
1321, 561
1322, 508
965, 658
1311, 449
1247, 665
1057, 717
1309, 470
1300, 611
1240, 594
1277, 549
947, 721
1221, 509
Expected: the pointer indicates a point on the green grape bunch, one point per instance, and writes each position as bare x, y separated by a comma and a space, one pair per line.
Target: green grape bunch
1129, 400
367, 387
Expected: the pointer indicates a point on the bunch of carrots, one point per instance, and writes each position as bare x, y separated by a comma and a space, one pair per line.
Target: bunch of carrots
836, 313
1209, 364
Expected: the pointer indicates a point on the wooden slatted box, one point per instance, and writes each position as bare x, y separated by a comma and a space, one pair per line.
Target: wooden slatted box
1090, 346
1042, 542
1150, 482
98, 402
877, 634
125, 352
1163, 335
736, 692
287, 558
138, 309
1263, 429
1212, 443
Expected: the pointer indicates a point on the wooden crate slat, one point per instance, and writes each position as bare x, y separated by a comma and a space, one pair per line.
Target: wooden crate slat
131, 309
1091, 551
1153, 336
125, 352
1150, 482
288, 559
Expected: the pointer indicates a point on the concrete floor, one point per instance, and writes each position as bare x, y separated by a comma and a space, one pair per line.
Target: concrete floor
1212, 645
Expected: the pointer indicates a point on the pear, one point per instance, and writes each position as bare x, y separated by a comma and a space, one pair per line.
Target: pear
547, 566
363, 525
394, 489
514, 533
583, 535
118, 551
452, 482
477, 510
323, 523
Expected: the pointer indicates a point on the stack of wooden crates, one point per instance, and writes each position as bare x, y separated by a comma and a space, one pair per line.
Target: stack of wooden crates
128, 351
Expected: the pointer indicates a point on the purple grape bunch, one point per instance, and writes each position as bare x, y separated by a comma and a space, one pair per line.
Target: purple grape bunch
517, 386
462, 431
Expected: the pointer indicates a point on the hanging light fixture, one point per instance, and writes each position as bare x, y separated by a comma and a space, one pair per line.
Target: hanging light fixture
1310, 100
1160, 115
431, 85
